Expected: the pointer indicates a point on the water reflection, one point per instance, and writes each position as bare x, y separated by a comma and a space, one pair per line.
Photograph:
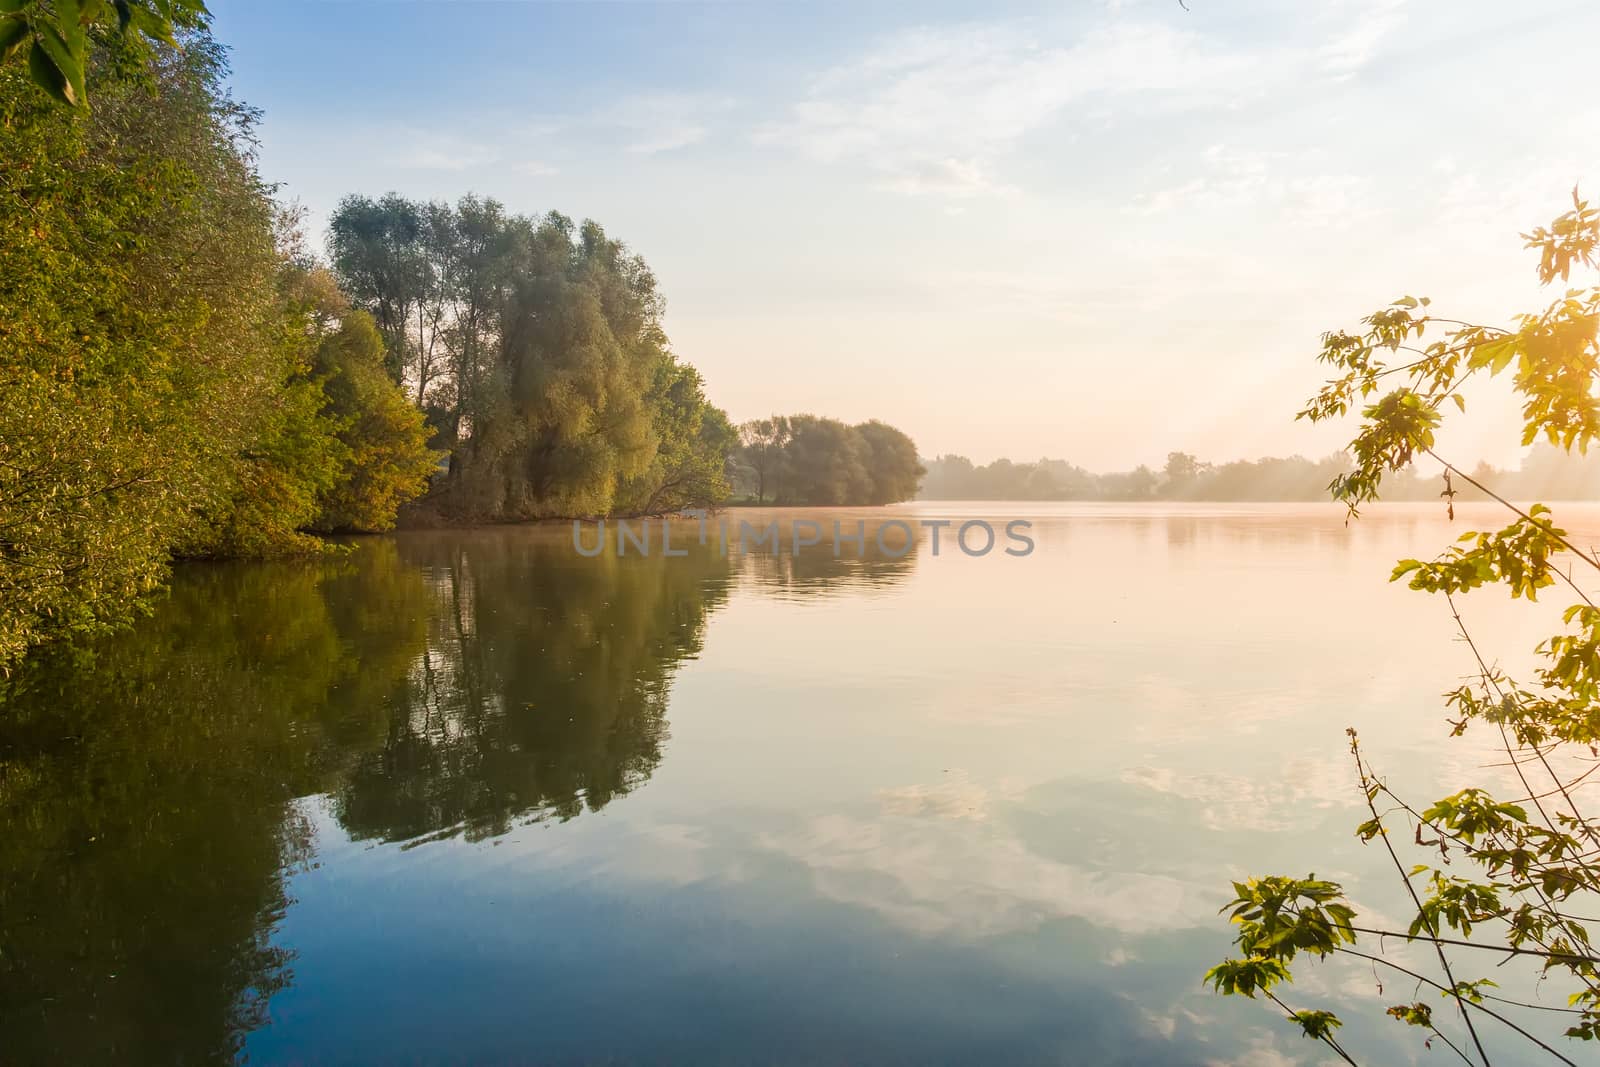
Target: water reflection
144, 795
541, 691
462, 797
430, 686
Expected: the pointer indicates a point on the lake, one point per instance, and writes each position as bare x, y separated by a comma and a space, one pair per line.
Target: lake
471, 797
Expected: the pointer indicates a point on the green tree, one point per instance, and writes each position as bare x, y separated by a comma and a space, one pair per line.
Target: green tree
380, 255
761, 451
825, 462
477, 276
381, 452
1521, 873
141, 346
565, 423
693, 441
536, 348
893, 470
807, 459
386, 459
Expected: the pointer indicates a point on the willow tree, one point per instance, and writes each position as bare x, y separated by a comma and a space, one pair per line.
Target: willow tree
691, 440
1495, 878
139, 336
811, 459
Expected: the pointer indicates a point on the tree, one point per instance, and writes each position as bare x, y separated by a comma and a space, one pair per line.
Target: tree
563, 423
1524, 870
824, 463
141, 344
535, 347
378, 251
806, 459
693, 441
476, 279
761, 449
893, 471
384, 461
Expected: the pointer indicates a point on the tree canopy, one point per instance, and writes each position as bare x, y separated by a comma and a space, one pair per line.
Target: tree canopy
808, 459
157, 354
536, 347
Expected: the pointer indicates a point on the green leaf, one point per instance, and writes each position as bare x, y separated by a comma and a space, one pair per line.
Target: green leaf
151, 24
69, 18
8, 7
45, 74
1318, 1025
69, 67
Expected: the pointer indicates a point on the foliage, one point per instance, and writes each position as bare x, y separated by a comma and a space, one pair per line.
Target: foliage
340, 448
955, 477
384, 460
172, 379
536, 347
138, 339
893, 471
53, 38
807, 459
692, 442
760, 455
1523, 871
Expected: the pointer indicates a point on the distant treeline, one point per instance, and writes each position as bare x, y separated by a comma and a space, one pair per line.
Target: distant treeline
1547, 473
803, 459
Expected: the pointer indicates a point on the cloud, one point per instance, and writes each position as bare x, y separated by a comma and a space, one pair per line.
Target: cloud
954, 178
1364, 25
934, 111
535, 168
665, 121
446, 154
466, 147
935, 861
1226, 179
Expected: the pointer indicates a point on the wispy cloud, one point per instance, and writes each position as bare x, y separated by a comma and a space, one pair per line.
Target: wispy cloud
446, 154
469, 147
934, 111
1293, 185
535, 168
665, 121
1363, 26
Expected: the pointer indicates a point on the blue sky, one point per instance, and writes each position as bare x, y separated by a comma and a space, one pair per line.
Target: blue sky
1098, 231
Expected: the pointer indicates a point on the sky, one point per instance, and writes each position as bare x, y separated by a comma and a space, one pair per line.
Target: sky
1095, 231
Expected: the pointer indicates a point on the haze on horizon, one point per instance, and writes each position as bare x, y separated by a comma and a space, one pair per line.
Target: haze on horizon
1095, 231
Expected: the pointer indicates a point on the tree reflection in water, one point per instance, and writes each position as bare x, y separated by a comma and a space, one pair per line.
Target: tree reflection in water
430, 685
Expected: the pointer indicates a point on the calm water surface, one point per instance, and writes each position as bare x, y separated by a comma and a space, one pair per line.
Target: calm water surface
465, 797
